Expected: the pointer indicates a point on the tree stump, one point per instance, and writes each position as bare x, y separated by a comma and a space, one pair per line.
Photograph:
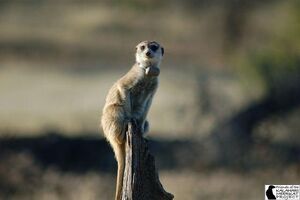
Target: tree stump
140, 181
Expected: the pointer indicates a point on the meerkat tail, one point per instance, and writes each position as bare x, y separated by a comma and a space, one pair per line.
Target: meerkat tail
120, 157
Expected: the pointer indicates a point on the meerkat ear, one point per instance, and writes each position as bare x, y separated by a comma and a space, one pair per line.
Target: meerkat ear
162, 51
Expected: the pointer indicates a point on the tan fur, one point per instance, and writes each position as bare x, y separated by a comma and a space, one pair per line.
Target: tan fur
130, 98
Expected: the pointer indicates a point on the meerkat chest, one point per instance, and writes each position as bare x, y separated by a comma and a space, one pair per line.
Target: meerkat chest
142, 90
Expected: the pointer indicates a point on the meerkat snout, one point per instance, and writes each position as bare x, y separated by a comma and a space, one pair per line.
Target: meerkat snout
148, 54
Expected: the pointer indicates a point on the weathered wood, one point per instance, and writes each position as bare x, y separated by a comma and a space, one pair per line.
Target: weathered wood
140, 180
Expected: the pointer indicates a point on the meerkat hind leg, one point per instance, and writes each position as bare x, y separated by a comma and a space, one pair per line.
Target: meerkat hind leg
122, 136
117, 124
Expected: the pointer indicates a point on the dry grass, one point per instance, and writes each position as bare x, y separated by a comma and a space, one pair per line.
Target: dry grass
26, 180
71, 101
225, 184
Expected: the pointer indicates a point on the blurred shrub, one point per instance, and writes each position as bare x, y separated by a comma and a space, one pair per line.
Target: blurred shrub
274, 63
277, 70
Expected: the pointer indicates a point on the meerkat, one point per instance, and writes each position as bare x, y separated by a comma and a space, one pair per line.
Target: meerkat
130, 98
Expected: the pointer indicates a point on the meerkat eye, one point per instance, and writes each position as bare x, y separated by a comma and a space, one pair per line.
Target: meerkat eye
154, 47
142, 47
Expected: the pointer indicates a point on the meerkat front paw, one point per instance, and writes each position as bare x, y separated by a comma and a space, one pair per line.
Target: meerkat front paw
145, 128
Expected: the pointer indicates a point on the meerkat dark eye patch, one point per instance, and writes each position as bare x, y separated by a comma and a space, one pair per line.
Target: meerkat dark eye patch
153, 47
142, 47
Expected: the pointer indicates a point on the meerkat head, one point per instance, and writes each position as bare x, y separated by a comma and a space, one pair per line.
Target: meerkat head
149, 54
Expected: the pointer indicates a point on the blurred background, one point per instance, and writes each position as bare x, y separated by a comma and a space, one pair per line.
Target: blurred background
223, 124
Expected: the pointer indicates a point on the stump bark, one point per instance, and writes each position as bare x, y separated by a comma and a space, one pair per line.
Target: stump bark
140, 181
